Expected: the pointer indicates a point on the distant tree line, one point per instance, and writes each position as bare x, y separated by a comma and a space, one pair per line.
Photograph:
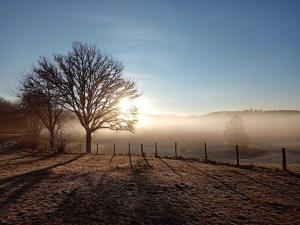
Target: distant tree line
16, 119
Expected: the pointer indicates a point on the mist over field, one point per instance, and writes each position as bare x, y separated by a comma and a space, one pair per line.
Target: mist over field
267, 133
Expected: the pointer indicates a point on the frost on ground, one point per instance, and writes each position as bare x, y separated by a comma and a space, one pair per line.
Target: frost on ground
101, 189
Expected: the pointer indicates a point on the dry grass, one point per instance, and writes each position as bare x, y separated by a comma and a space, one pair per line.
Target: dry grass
98, 189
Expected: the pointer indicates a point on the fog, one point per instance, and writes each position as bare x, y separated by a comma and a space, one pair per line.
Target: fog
267, 132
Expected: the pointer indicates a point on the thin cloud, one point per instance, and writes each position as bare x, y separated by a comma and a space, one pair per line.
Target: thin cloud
143, 76
136, 33
123, 28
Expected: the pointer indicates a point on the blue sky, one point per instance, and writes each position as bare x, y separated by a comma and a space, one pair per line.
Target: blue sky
188, 57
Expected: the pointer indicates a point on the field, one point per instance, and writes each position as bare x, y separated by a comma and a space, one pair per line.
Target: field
45, 188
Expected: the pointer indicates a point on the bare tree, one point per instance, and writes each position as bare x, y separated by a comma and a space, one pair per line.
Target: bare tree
235, 132
39, 96
91, 84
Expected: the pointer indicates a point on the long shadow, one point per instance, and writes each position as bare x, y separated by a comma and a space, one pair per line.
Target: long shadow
92, 157
152, 206
147, 162
257, 181
222, 182
133, 200
25, 175
23, 182
37, 159
168, 165
251, 167
92, 202
130, 161
111, 159
9, 149
27, 154
11, 145
89, 159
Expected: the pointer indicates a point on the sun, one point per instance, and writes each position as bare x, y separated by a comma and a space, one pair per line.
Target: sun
141, 103
125, 105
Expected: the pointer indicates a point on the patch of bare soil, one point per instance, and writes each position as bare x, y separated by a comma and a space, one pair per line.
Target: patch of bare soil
101, 189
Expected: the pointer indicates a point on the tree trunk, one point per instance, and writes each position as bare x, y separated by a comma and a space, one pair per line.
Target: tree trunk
52, 141
88, 142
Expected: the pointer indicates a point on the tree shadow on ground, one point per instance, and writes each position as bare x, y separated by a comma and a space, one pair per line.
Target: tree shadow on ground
153, 207
121, 196
9, 146
34, 157
14, 187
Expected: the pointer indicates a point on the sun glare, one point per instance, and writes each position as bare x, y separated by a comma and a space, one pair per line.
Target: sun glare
125, 105
142, 105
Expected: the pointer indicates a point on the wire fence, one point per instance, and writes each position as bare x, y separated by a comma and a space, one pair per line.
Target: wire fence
207, 151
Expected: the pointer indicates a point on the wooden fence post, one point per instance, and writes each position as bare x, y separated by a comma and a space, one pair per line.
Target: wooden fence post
97, 149
205, 152
114, 149
142, 150
156, 154
129, 154
237, 155
283, 159
175, 150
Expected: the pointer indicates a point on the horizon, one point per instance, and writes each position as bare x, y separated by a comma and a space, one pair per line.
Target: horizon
187, 59
226, 111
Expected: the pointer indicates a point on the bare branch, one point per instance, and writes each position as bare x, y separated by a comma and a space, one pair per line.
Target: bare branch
90, 84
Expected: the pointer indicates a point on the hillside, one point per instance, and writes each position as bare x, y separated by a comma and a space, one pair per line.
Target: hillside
255, 113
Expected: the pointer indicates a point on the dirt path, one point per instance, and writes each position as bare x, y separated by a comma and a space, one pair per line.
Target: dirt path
99, 189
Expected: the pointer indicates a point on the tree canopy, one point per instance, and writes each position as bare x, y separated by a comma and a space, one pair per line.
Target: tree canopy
90, 84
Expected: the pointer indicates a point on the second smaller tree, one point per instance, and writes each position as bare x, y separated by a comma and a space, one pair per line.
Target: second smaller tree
39, 96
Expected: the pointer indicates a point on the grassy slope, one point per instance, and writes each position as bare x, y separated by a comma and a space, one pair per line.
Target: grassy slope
98, 189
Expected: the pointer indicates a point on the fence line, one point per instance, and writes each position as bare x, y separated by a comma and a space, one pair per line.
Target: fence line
156, 152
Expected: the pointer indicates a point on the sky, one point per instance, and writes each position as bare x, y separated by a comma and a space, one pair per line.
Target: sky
188, 57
